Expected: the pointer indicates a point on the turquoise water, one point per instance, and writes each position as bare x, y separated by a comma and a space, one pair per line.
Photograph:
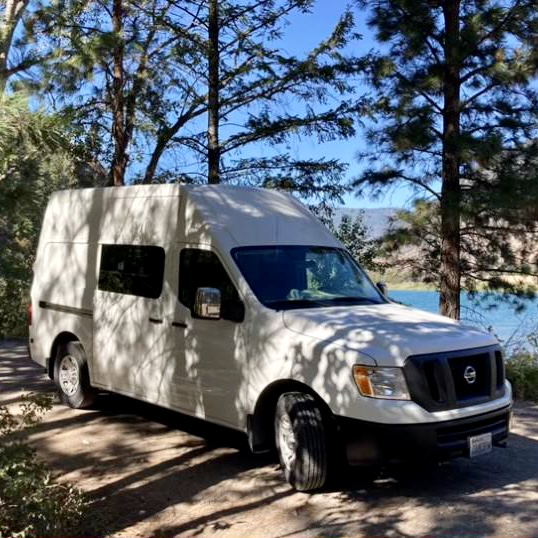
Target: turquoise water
510, 327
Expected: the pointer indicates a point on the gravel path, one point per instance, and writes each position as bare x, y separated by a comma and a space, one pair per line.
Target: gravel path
154, 473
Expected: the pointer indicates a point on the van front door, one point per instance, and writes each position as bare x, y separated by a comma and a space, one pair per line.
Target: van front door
215, 349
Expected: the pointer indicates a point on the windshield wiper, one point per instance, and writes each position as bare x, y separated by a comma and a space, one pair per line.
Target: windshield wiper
353, 300
289, 304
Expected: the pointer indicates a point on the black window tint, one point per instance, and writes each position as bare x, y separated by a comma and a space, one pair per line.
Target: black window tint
132, 270
202, 269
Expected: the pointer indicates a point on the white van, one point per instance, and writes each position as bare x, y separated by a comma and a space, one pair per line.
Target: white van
236, 305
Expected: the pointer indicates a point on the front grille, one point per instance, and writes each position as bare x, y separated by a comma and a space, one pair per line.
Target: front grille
458, 379
499, 363
476, 368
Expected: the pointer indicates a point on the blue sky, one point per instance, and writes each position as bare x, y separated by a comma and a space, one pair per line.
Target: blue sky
304, 33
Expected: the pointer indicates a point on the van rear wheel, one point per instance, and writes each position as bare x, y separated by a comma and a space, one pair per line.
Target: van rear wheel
71, 376
300, 441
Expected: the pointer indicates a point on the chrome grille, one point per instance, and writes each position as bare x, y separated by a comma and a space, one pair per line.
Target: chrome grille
456, 379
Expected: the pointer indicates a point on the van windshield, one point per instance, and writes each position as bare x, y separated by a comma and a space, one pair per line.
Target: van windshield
286, 277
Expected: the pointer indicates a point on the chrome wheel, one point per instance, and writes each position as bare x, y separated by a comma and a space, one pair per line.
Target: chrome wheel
286, 441
300, 440
69, 375
72, 376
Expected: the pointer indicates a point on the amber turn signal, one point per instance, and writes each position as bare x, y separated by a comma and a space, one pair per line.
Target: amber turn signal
362, 378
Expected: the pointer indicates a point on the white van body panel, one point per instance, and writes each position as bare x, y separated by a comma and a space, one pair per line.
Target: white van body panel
388, 333
76, 222
324, 361
217, 369
229, 217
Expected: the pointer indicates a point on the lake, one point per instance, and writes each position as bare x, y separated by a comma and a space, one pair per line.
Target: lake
510, 327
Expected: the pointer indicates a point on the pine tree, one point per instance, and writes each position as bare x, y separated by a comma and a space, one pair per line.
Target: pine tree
454, 95
352, 232
253, 85
110, 73
18, 53
192, 90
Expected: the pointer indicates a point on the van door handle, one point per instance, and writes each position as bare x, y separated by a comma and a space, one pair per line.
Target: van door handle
155, 320
179, 324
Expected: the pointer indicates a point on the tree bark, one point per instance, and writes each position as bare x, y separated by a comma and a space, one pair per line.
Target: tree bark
213, 146
119, 161
13, 11
166, 134
156, 155
450, 282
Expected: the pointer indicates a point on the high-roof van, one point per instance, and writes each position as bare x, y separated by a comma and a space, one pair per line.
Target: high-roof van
237, 306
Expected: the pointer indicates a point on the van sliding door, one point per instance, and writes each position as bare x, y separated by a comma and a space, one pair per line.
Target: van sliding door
130, 283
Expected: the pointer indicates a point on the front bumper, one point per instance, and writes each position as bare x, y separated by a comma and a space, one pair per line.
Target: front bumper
368, 443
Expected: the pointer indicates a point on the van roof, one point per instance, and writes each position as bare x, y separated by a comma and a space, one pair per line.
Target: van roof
247, 216
224, 214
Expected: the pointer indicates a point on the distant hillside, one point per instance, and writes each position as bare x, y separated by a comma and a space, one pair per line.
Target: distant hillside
377, 220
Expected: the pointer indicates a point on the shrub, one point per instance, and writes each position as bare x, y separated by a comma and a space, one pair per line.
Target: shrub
522, 371
32, 503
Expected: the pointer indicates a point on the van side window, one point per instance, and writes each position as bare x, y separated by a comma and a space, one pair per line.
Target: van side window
132, 270
203, 269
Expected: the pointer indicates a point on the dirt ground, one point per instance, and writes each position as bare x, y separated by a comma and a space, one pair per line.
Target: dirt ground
154, 473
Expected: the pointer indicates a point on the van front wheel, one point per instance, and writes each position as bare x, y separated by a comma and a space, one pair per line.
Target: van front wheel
300, 441
72, 377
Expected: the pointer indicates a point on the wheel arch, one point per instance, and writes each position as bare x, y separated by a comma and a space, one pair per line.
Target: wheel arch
260, 424
62, 338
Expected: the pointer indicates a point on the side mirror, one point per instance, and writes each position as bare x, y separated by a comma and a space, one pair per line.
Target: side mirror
384, 289
207, 303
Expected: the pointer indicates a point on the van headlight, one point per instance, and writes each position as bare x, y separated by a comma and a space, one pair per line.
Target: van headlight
385, 383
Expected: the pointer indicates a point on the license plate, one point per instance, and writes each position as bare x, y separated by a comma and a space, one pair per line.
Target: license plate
480, 444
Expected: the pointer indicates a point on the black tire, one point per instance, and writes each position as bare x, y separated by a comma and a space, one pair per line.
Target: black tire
300, 441
72, 377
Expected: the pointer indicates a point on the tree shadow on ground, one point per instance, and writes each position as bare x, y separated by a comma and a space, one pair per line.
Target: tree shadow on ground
486, 496
172, 475
201, 457
18, 373
122, 407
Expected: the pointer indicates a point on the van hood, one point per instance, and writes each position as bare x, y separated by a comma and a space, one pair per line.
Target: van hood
386, 333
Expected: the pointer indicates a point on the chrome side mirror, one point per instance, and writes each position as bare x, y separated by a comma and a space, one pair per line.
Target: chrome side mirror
207, 303
384, 289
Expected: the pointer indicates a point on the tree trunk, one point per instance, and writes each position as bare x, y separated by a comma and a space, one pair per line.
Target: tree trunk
13, 11
213, 147
151, 169
119, 161
450, 282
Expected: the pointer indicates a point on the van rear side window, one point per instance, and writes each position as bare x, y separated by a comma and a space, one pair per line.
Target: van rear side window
132, 270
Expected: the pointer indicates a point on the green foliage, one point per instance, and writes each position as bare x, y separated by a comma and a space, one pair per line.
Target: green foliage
498, 256
32, 503
522, 372
35, 161
410, 249
353, 234
36, 132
